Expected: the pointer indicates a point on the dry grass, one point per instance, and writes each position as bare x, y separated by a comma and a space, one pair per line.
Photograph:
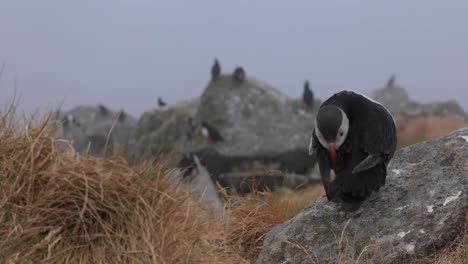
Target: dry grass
456, 253
411, 131
248, 220
56, 207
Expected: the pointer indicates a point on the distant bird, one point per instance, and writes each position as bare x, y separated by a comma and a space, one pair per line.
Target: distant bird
307, 96
69, 120
353, 140
211, 133
239, 74
188, 166
103, 110
391, 81
161, 103
215, 70
122, 116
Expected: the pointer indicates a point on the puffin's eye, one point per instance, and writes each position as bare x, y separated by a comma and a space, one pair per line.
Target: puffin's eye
341, 133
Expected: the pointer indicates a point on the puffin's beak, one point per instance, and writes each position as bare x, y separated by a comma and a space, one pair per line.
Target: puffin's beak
331, 149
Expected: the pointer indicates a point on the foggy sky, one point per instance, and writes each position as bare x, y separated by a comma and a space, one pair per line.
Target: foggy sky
127, 53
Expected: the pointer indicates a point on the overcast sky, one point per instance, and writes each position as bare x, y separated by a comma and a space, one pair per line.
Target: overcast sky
127, 53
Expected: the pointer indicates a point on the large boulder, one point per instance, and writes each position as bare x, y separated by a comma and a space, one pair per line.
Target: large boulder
450, 109
420, 209
98, 130
166, 130
396, 99
258, 123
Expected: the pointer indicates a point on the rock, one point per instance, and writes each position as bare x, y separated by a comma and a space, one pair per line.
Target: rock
449, 109
257, 122
394, 98
90, 130
165, 130
419, 210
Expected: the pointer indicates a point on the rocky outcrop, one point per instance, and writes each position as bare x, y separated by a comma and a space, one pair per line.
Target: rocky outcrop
449, 109
94, 129
394, 98
420, 209
164, 131
257, 122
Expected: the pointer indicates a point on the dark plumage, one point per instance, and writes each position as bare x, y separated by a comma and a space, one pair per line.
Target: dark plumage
211, 133
307, 96
122, 116
103, 110
215, 70
391, 81
161, 103
239, 74
353, 140
188, 166
70, 119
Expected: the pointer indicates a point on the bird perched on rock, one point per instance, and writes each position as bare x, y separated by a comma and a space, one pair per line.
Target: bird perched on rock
211, 133
215, 70
122, 115
161, 103
353, 140
70, 119
103, 110
239, 74
307, 96
391, 81
188, 166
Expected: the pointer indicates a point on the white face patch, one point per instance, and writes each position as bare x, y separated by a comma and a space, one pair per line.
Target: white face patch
205, 132
342, 131
341, 134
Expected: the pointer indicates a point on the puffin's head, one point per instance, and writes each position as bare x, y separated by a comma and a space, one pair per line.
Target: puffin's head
331, 129
306, 85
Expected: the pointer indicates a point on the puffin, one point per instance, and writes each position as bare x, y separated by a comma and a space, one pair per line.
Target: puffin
239, 74
211, 133
391, 81
353, 141
70, 119
161, 103
122, 115
188, 166
103, 110
215, 69
307, 96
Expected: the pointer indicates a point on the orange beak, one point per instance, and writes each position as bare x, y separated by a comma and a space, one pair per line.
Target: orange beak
331, 149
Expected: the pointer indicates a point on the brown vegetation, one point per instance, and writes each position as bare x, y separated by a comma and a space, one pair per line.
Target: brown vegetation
411, 131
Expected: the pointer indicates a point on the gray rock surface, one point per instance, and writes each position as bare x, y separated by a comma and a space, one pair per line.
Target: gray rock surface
420, 209
394, 98
257, 122
166, 130
450, 109
90, 129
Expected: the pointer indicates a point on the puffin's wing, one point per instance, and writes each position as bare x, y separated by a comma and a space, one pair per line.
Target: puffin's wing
378, 137
379, 129
369, 162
